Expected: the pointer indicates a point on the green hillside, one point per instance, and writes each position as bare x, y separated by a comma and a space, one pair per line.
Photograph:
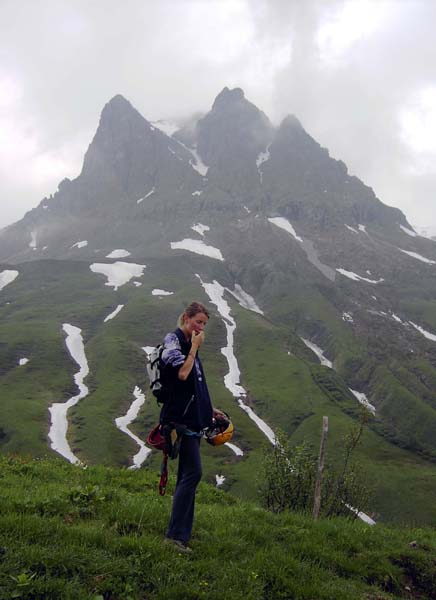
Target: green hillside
97, 533
286, 386
322, 302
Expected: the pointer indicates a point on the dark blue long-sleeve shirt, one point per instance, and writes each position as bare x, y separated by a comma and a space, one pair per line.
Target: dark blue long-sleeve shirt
189, 401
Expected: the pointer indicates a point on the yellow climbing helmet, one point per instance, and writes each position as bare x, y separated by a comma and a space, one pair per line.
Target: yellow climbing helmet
220, 432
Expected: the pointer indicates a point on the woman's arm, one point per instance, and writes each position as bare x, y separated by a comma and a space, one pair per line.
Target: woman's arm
186, 368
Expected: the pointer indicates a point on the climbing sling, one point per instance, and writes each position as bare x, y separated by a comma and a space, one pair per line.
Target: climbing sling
167, 438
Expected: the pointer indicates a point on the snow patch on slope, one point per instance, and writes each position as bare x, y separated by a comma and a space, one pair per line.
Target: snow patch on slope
235, 449
308, 247
118, 273
319, 352
284, 224
198, 247
363, 400
361, 515
146, 196
200, 228
216, 291
158, 292
7, 277
356, 277
409, 231
58, 411
198, 165
262, 157
114, 313
123, 425
167, 127
32, 243
79, 245
361, 397
244, 299
418, 257
426, 334
119, 253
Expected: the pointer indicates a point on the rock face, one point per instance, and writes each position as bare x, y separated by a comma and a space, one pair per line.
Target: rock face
308, 185
135, 177
127, 167
230, 138
128, 155
322, 256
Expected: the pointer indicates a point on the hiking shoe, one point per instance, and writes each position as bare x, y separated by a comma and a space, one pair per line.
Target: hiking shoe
179, 545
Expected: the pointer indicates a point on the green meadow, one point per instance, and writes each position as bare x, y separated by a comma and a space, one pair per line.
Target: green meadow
97, 534
286, 386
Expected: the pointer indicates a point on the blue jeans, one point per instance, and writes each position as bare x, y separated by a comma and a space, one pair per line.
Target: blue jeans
188, 477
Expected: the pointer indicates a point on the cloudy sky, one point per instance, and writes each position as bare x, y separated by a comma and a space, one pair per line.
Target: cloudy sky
359, 74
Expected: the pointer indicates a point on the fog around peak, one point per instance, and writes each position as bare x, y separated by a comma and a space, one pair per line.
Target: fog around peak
357, 74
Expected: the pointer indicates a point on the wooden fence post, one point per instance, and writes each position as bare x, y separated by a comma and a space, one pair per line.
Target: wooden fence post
317, 499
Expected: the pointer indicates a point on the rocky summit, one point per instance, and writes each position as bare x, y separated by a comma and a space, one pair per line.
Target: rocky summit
323, 300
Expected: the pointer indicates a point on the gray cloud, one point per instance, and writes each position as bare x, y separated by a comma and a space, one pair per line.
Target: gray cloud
61, 61
353, 106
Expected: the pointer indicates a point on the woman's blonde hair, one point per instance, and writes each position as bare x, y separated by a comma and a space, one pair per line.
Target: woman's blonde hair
190, 311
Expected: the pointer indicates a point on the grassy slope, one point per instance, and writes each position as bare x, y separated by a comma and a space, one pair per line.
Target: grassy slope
284, 391
42, 299
97, 534
291, 398
374, 356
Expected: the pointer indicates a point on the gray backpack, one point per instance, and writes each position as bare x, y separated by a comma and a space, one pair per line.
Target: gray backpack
154, 371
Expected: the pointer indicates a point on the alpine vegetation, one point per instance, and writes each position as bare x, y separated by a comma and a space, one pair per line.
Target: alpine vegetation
322, 302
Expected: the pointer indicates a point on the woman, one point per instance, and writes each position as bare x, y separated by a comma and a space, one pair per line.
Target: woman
188, 404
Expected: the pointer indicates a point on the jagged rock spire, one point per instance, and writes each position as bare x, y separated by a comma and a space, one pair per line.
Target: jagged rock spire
228, 97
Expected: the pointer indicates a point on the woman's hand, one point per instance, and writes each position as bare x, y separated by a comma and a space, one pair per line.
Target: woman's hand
218, 414
197, 339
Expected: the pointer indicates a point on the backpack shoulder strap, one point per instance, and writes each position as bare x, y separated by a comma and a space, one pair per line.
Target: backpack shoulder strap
180, 335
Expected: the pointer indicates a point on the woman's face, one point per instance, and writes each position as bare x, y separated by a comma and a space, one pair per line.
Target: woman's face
196, 323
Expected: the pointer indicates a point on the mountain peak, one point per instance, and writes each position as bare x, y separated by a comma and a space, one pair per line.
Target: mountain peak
228, 97
119, 99
230, 138
117, 107
121, 129
291, 121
